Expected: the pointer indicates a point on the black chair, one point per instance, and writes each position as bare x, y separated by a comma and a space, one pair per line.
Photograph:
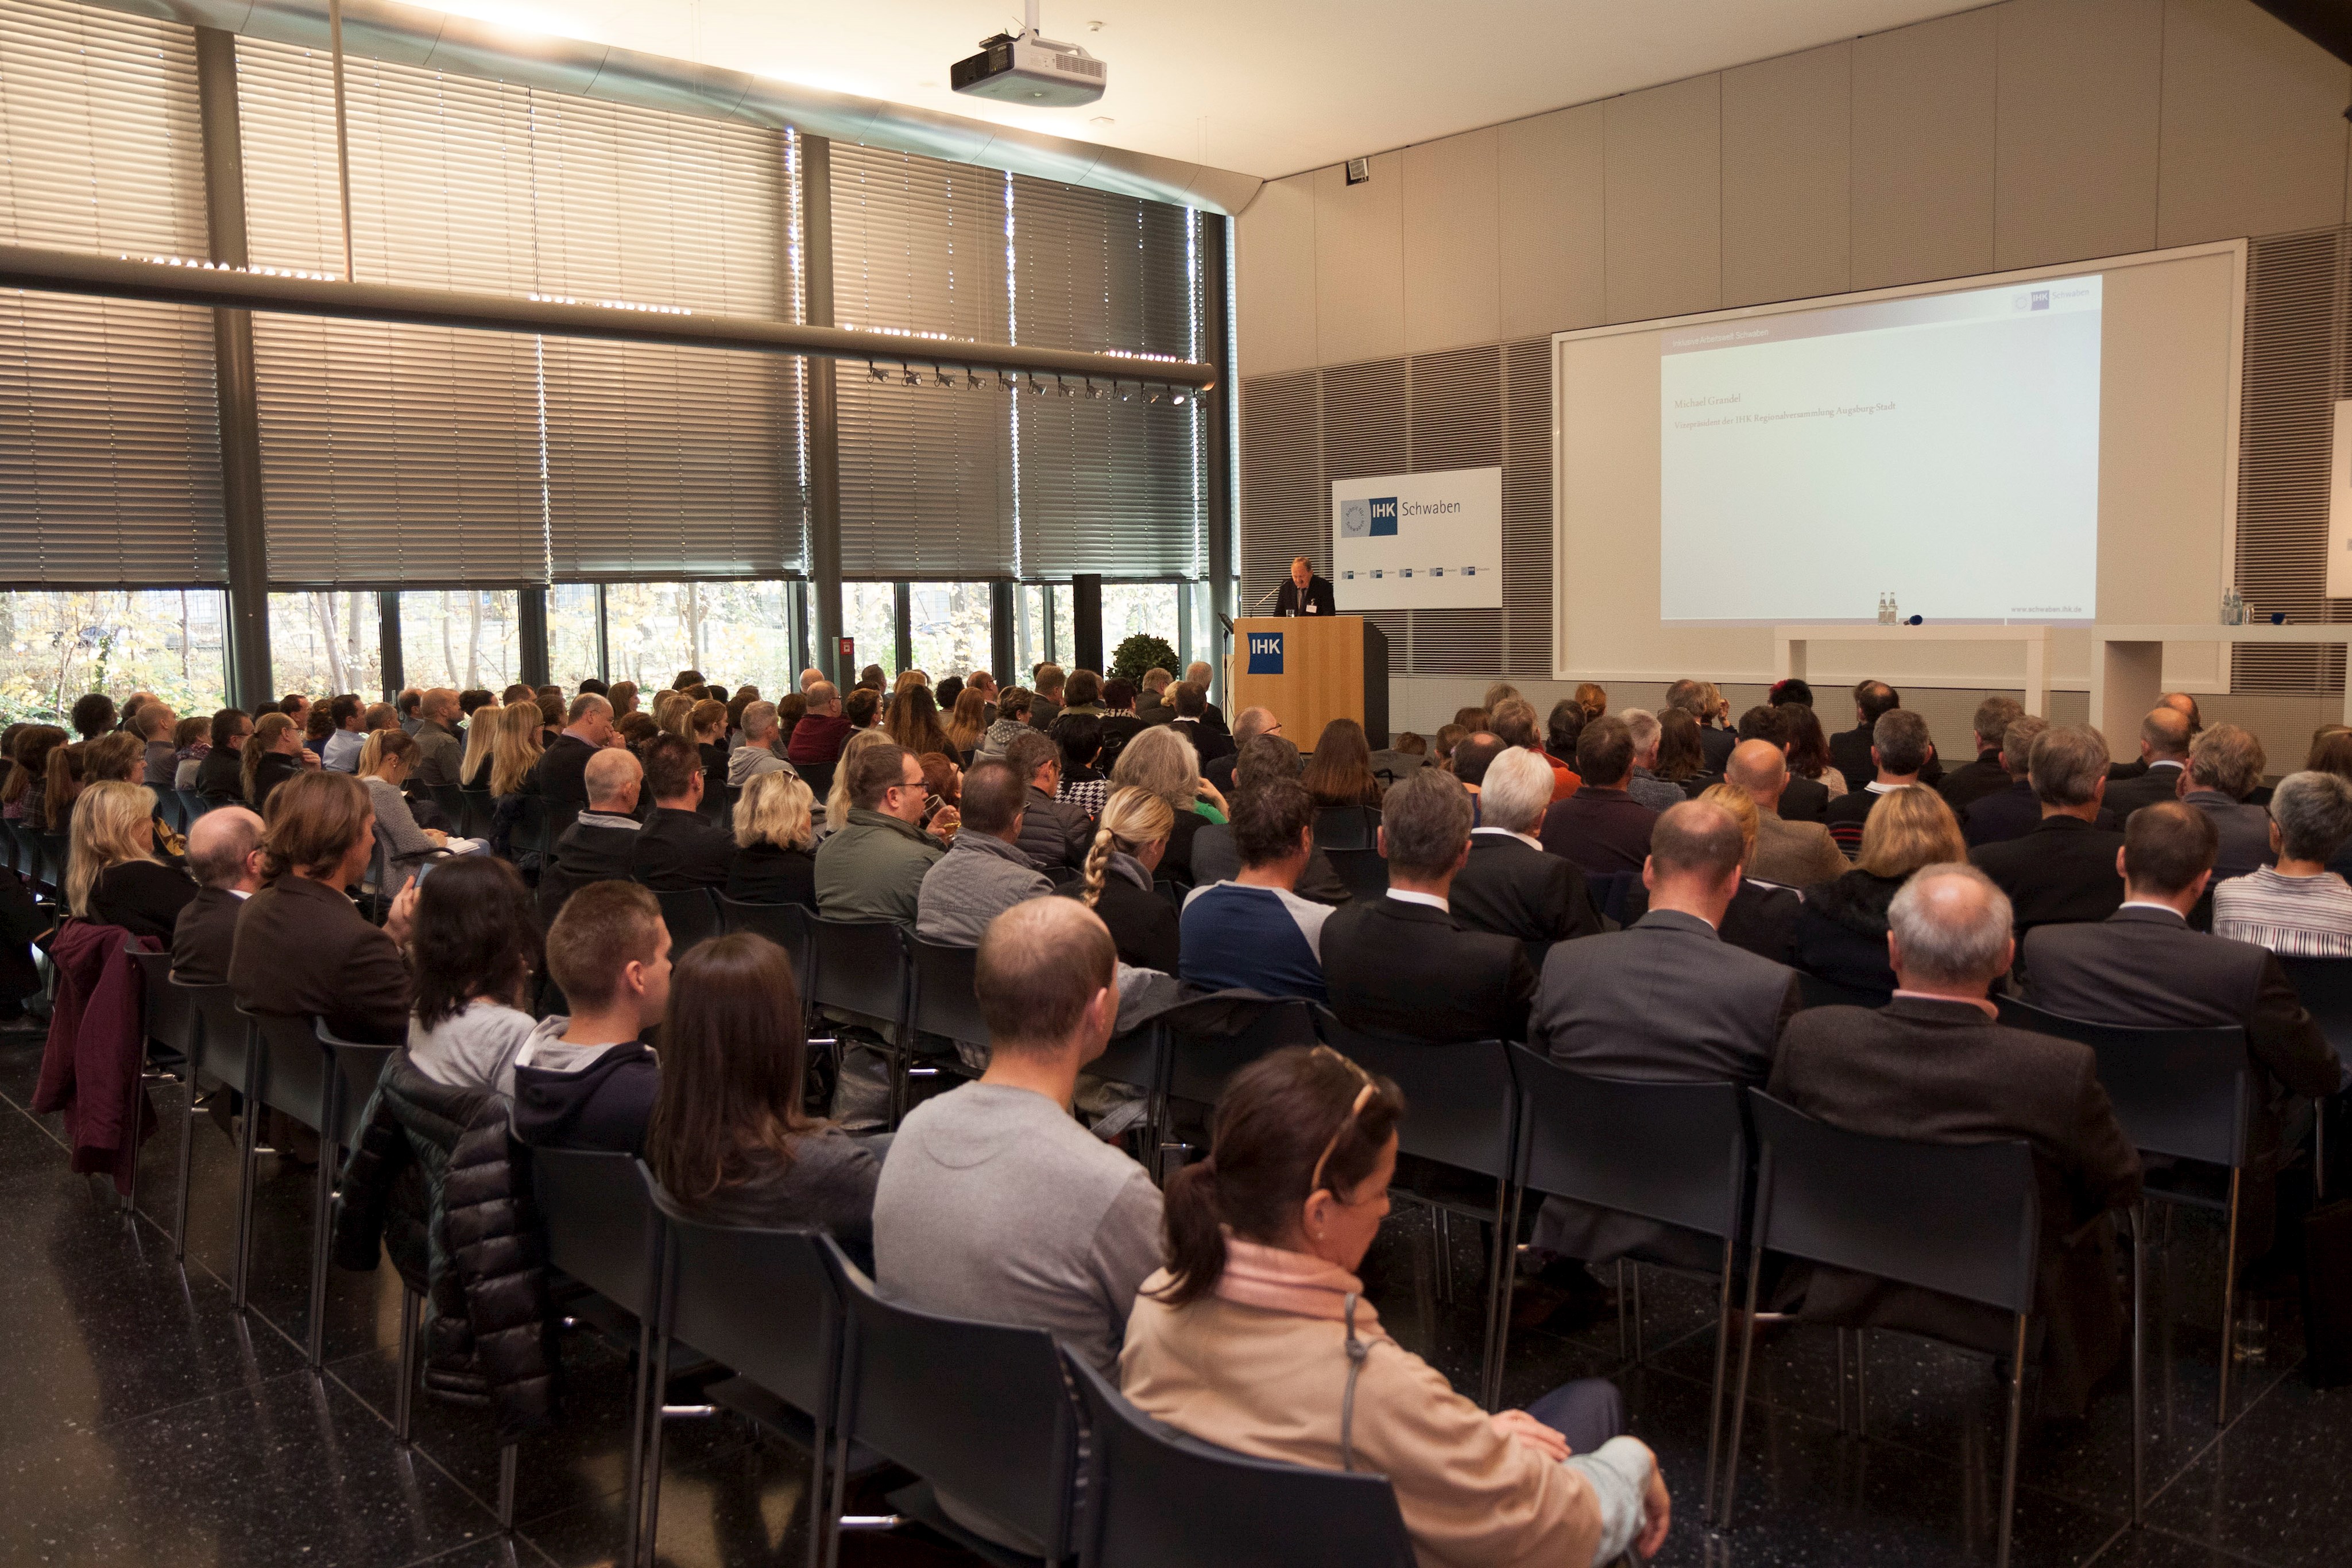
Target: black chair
818, 777
1813, 991
1345, 828
228, 1052
1464, 1116
452, 802
12, 853
480, 807
2188, 1094
1961, 1218
170, 1052
605, 1231
979, 1411
943, 1001
1140, 1058
1610, 889
192, 806
167, 807
763, 1302
785, 925
2325, 987
691, 912
1366, 872
861, 968
57, 854
1158, 1498
1213, 1037
1674, 1152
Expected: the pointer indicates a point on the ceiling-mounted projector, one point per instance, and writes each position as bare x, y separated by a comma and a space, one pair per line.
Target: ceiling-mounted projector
1022, 68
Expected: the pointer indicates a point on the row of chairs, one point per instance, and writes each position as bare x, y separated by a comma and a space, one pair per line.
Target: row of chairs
1001, 1418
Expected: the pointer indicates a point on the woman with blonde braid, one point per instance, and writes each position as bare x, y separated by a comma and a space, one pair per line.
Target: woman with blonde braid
1129, 837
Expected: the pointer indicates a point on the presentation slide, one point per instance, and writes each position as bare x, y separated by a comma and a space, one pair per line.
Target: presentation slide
1942, 449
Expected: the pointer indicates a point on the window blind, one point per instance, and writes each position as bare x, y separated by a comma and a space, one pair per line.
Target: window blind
918, 246
110, 443
1109, 482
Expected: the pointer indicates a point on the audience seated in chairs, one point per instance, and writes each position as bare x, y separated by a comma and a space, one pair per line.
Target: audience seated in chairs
1254, 933
1339, 773
113, 877
1055, 834
1216, 854
994, 1202
1512, 721
729, 1141
516, 747
303, 949
1248, 1335
1809, 748
28, 766
1710, 712
159, 752
220, 776
1682, 753
836, 800
1161, 759
1402, 964
1643, 784
1805, 799
2013, 813
706, 725
347, 721
272, 755
60, 784
678, 848
192, 742
1012, 709
775, 841
585, 1080
2298, 908
1762, 915
967, 723
1933, 1066
914, 722
1189, 707
225, 857
1047, 686
1850, 749
871, 867
559, 775
382, 766
1601, 828
1120, 723
1252, 723
2163, 763
2144, 968
472, 761
1900, 751
2225, 764
1117, 883
1841, 933
600, 844
1793, 854
2065, 869
983, 874
762, 748
1508, 885
822, 732
473, 946
1079, 733
1965, 785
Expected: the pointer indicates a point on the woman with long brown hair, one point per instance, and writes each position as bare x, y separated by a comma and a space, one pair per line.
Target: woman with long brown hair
731, 1140
28, 766
1682, 757
1256, 1336
968, 723
914, 720
272, 755
1340, 771
1809, 748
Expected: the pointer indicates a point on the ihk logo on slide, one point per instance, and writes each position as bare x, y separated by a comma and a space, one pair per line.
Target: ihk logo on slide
1384, 516
1265, 652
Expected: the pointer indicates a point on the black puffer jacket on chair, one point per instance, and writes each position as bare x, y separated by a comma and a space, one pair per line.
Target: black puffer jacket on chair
435, 1179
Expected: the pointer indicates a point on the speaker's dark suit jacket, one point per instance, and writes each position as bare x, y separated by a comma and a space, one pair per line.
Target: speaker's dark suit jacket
2063, 871
2156, 782
1513, 889
304, 950
1396, 967
1944, 1073
1665, 1000
1319, 594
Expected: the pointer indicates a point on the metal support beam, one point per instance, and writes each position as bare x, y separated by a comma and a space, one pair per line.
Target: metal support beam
824, 413
390, 657
233, 375
902, 602
1216, 256
604, 639
530, 633
1002, 611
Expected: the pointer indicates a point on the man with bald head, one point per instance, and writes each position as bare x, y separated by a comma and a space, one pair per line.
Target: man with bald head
599, 843
224, 854
438, 752
1934, 1065
816, 741
2163, 737
995, 1201
1252, 723
1794, 854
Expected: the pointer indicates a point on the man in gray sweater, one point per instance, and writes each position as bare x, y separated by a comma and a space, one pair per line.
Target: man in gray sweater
994, 1203
985, 873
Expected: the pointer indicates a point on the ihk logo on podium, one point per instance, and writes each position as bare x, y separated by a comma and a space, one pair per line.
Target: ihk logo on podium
1265, 652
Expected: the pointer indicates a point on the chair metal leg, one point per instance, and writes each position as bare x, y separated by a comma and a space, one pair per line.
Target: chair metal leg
1500, 1256
246, 1157
1638, 1353
2229, 1302
507, 1456
1841, 1381
1747, 1356
2319, 1150
820, 1492
2137, 1218
138, 1104
1508, 1253
654, 1449
2009, 1452
403, 1401
1444, 1250
1715, 1392
321, 1240
1620, 1308
187, 1170
1861, 1382
832, 1503
633, 1536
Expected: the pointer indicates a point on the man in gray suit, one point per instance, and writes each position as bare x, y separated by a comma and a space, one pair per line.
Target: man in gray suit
1934, 1066
1663, 1001
1794, 854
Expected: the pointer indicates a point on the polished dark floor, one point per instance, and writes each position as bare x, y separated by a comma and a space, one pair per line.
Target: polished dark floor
142, 1420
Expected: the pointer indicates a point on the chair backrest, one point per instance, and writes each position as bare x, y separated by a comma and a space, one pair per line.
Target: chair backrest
603, 1229
1139, 1056
1962, 1219
818, 777
451, 801
760, 1301
57, 854
1343, 828
944, 1002
480, 805
1816, 992
2325, 987
1463, 1108
861, 966
1200, 1063
191, 805
225, 1038
9, 846
1365, 871
1677, 1153
1609, 890
171, 1011
692, 914
296, 1074
1159, 1498
785, 925
357, 1067
2183, 1092
980, 1410
167, 806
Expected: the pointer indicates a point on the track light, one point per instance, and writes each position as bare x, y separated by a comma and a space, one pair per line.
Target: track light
878, 373
914, 378
945, 380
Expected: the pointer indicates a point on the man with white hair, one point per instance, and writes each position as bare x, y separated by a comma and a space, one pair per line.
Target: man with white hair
1201, 674
1508, 885
1935, 1066
1645, 786
600, 843
224, 854
1252, 723
2297, 908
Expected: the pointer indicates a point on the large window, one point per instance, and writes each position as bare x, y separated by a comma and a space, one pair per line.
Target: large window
1132, 608
949, 624
572, 636
323, 643
734, 633
869, 615
461, 640
56, 646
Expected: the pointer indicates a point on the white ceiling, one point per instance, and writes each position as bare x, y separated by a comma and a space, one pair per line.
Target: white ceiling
1264, 88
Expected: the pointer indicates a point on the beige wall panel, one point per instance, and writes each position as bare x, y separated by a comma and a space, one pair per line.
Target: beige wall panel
1922, 150
2253, 132
1274, 258
2080, 81
1453, 242
1360, 263
1786, 177
1553, 261
1663, 202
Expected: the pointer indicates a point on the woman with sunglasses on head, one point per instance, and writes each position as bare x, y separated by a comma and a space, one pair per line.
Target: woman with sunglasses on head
1257, 1337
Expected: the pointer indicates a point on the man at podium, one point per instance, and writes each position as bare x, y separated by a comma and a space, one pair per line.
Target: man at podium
1305, 594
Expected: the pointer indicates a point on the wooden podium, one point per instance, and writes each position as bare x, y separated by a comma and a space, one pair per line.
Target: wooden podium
1311, 669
